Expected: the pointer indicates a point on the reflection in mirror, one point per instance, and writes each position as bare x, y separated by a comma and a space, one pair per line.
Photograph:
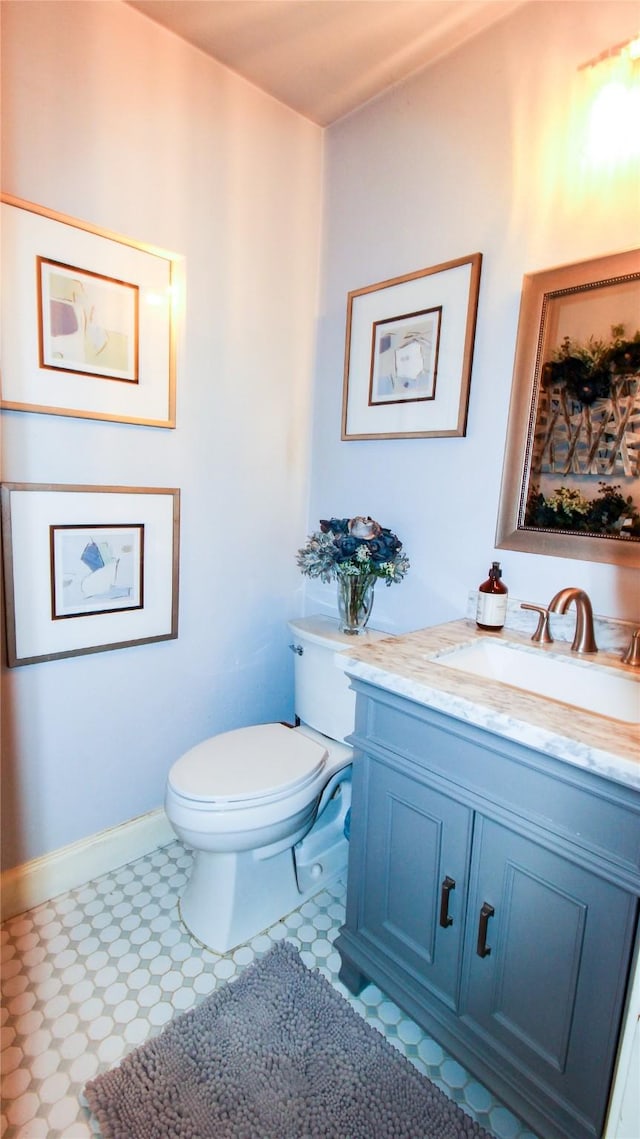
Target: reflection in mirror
571, 480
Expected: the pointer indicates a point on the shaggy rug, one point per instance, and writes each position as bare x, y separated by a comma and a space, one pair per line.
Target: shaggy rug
276, 1054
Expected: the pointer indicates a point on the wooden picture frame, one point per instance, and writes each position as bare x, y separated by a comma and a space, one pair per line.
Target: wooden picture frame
89, 320
88, 568
408, 353
572, 457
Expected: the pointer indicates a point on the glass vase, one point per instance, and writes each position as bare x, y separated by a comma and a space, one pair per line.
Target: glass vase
355, 601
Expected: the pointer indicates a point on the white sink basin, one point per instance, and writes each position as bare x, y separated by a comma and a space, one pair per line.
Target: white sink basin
577, 682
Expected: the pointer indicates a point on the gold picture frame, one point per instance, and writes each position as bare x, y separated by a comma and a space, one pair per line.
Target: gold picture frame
56, 538
89, 320
572, 456
408, 353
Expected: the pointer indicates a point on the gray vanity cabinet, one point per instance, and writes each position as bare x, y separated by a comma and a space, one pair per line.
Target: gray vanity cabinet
493, 894
414, 913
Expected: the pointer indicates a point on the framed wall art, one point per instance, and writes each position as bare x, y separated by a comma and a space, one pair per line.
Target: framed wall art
408, 353
88, 568
89, 320
571, 480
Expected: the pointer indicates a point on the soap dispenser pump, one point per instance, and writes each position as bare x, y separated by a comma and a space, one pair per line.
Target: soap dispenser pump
491, 612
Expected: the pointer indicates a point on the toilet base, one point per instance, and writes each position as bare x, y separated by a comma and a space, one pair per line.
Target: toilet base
232, 897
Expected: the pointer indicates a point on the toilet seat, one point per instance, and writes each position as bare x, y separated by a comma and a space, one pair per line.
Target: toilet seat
255, 765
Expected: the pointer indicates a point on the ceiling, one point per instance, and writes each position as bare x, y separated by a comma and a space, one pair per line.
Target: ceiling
325, 58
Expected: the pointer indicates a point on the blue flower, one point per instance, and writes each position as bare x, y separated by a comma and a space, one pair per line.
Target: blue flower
345, 548
334, 526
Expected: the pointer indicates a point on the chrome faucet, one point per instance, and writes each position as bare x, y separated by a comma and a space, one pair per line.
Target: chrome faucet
584, 640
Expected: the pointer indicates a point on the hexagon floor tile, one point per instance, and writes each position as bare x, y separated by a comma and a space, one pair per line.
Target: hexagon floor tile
91, 974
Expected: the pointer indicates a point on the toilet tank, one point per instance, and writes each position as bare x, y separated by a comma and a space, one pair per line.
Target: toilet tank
323, 698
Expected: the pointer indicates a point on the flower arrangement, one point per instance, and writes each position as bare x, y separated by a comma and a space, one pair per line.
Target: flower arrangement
587, 370
353, 547
356, 552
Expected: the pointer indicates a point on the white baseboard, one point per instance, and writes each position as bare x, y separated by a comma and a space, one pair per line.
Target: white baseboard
71, 866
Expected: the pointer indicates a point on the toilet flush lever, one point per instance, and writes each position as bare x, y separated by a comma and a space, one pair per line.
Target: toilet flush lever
297, 649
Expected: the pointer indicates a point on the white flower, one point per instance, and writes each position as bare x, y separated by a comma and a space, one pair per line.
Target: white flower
360, 527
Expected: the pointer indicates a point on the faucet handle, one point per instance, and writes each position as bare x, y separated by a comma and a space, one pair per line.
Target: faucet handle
542, 636
632, 655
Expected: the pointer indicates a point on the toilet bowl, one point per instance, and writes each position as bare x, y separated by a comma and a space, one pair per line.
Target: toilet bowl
264, 807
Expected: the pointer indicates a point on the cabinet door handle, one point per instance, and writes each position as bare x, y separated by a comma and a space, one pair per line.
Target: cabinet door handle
487, 911
447, 886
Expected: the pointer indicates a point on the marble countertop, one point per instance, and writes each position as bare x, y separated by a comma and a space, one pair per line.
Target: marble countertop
408, 665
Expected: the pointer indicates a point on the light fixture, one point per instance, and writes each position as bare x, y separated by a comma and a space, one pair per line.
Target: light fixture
612, 110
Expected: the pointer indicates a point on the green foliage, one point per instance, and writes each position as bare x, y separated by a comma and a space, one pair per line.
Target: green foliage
566, 509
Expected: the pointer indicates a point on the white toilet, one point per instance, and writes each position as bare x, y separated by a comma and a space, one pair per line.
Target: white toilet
264, 807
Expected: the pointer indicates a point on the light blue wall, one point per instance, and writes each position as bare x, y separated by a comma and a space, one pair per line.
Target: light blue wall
108, 118
478, 153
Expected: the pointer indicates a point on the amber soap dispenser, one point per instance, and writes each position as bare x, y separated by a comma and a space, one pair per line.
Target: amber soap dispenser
491, 612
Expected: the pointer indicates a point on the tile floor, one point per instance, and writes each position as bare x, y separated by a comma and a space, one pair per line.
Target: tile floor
93, 973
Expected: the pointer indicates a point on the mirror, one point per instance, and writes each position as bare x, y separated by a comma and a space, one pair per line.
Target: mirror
571, 478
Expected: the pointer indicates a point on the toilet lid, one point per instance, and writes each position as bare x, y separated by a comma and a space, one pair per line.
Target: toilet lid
265, 761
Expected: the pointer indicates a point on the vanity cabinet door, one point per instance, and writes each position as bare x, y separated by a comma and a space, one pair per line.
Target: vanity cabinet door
547, 948
415, 870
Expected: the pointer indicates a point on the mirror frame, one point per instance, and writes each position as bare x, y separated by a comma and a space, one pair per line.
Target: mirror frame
538, 293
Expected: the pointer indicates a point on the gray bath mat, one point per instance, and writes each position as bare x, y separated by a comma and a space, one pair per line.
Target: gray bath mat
276, 1054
